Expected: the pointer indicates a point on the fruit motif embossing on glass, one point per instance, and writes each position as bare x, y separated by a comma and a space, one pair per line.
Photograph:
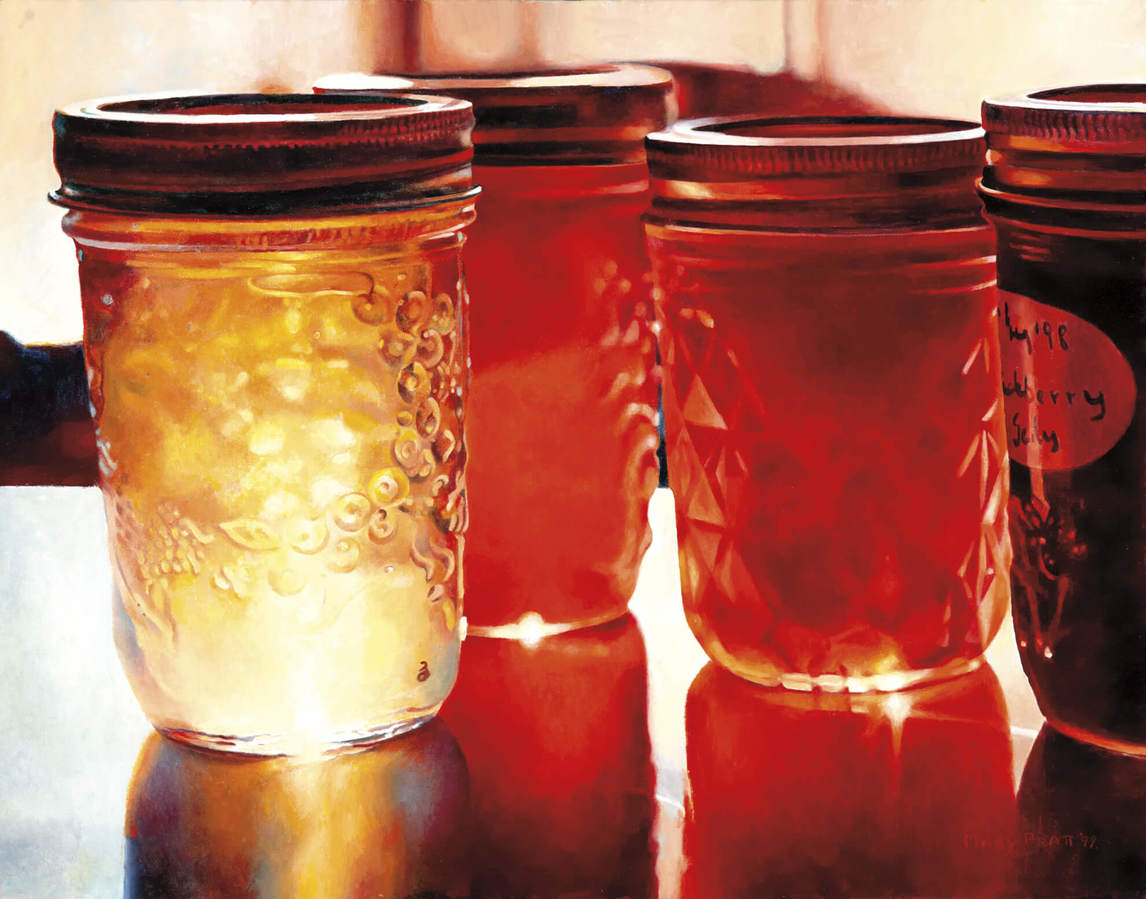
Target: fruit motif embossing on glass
312, 511
335, 399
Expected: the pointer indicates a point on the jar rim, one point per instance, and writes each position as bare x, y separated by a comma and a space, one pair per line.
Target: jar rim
1091, 95
586, 78
769, 145
239, 109
829, 130
260, 154
1079, 99
594, 114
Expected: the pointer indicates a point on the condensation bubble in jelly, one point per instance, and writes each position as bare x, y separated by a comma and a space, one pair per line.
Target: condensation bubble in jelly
286, 581
345, 555
351, 512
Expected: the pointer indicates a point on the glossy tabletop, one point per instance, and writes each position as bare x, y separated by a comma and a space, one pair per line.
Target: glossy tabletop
607, 762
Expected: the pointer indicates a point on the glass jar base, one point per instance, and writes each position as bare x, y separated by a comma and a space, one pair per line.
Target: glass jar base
1109, 744
889, 682
301, 743
531, 627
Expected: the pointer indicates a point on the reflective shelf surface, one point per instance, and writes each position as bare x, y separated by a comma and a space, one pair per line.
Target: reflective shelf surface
608, 762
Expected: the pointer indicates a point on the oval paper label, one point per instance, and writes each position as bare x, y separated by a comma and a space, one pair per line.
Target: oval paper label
1068, 390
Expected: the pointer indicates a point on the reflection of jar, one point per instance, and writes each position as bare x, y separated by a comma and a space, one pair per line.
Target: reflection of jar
831, 396
804, 794
389, 821
555, 734
1082, 822
1066, 190
561, 428
274, 333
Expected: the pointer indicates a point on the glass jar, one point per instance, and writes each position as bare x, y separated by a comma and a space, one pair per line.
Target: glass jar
274, 330
562, 429
832, 398
1066, 191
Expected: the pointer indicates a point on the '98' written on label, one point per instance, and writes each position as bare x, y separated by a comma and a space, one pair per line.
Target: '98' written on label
1069, 391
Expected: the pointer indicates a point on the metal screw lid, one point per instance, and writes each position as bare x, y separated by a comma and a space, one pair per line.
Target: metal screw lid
597, 114
261, 154
1069, 153
818, 172
1089, 118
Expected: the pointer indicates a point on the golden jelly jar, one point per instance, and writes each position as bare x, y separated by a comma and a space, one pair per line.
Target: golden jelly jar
275, 336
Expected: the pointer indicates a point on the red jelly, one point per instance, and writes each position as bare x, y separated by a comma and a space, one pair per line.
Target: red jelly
561, 421
832, 396
562, 788
907, 794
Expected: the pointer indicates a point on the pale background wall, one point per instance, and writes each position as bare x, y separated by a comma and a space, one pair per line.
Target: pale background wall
928, 56
944, 56
54, 52
486, 33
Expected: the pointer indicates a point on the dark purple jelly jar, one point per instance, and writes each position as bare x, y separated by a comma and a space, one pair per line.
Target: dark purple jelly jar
1065, 187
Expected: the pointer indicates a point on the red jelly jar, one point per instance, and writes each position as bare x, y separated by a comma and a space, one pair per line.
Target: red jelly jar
561, 418
1066, 190
832, 395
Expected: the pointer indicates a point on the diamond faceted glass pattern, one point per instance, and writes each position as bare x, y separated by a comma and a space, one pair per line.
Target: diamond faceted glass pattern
721, 456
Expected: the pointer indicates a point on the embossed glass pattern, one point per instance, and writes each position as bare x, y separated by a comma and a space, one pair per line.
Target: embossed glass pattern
832, 396
279, 404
